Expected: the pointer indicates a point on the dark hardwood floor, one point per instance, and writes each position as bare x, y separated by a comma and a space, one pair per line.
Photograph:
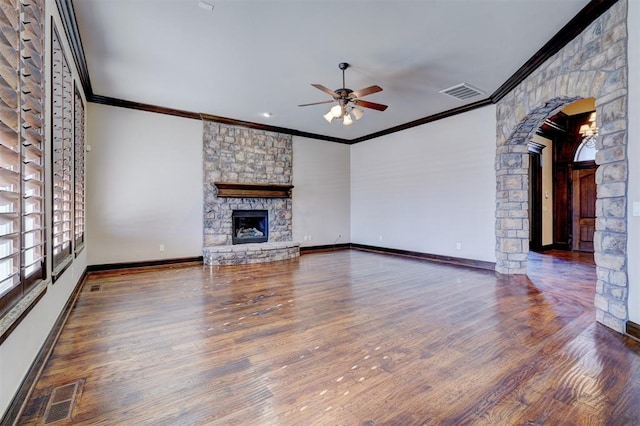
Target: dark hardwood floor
343, 337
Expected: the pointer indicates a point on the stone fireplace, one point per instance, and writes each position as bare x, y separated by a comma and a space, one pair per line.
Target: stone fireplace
246, 170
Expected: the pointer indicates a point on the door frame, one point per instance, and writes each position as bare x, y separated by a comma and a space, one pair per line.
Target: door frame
577, 166
535, 195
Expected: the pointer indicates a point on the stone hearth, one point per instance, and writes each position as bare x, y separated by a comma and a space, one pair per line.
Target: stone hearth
250, 253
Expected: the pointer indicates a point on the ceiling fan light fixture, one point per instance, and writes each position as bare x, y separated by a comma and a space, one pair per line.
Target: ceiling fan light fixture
357, 113
346, 101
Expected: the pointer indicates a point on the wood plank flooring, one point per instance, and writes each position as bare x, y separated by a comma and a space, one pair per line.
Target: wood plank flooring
343, 338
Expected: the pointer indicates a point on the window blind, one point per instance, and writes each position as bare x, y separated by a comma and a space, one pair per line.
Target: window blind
79, 148
22, 237
61, 155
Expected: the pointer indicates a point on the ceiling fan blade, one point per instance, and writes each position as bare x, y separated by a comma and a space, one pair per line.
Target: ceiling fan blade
317, 103
372, 105
326, 90
366, 91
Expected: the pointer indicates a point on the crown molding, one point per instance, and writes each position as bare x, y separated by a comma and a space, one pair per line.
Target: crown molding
424, 120
105, 100
593, 10
571, 30
70, 24
268, 128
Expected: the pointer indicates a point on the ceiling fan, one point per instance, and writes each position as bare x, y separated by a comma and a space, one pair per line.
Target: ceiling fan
347, 100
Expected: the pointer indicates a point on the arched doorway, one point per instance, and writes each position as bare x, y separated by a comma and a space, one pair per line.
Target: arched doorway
577, 71
562, 187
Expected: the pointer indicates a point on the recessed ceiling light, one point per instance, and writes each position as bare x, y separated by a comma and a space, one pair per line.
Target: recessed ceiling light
267, 114
205, 6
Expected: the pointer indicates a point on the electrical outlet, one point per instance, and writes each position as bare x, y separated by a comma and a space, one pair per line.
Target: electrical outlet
458, 246
161, 247
305, 238
379, 237
309, 237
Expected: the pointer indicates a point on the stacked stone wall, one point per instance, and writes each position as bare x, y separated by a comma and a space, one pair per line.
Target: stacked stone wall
242, 155
593, 65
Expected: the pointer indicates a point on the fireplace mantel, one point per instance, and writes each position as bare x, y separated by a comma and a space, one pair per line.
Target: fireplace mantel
253, 190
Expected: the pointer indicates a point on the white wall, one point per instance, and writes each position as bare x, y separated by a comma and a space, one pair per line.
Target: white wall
428, 188
321, 193
144, 186
19, 350
633, 263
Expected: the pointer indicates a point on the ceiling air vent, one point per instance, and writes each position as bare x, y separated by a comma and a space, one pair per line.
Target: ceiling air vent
462, 91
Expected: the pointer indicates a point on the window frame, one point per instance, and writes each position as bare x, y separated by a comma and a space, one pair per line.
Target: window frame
28, 225
79, 162
587, 145
62, 202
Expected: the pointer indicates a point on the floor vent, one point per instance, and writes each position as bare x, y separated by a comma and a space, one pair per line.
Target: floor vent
462, 91
60, 403
95, 287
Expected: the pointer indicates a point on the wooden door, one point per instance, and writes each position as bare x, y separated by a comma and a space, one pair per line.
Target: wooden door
584, 208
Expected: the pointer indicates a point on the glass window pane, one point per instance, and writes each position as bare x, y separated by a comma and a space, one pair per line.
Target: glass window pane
586, 150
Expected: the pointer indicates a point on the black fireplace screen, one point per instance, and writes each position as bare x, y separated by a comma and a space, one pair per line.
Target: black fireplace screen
250, 226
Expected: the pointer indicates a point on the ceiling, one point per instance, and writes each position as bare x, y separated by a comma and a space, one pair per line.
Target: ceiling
249, 57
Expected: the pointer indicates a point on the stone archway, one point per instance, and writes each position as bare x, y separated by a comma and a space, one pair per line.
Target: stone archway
593, 65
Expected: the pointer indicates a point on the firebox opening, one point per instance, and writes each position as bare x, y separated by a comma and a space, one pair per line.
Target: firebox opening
250, 226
